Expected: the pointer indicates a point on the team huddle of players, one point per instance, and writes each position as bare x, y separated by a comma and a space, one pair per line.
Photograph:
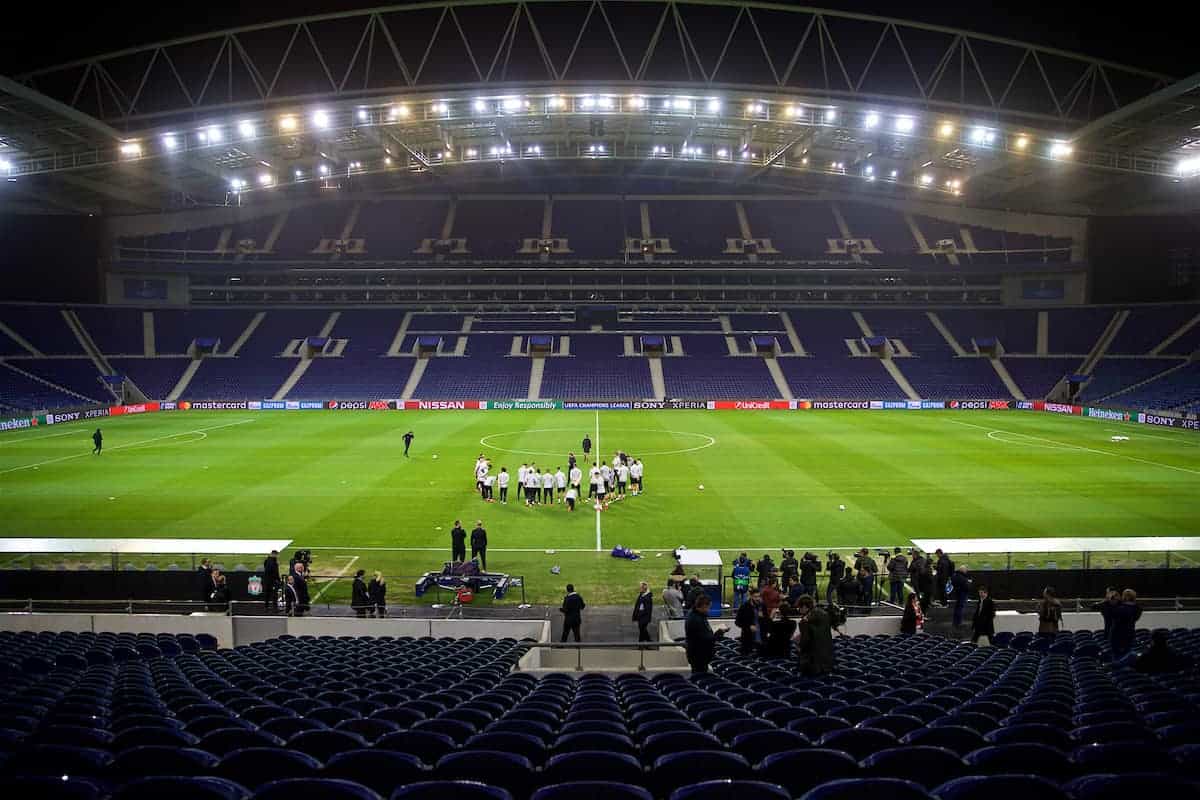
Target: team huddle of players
607, 482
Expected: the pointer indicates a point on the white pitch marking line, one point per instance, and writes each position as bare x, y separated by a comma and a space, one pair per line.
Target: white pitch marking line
484, 441
598, 451
124, 446
334, 579
1068, 446
39, 438
1139, 434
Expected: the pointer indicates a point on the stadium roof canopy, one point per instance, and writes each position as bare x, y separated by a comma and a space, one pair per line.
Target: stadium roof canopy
466, 94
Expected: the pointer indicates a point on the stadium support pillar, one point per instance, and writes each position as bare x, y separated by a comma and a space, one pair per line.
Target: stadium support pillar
777, 375
245, 335
398, 340
414, 378
536, 368
898, 377
149, 349
1043, 333
797, 345
184, 380
732, 345
1102, 344
936, 321
1007, 379
656, 378
861, 321
1170, 340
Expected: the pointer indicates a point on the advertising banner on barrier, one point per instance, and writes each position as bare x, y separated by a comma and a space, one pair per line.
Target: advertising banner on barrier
520, 405
597, 405
1107, 413
1165, 421
1059, 408
59, 418
442, 405
833, 405
928, 404
214, 405
140, 408
1025, 405
750, 405
979, 405
17, 423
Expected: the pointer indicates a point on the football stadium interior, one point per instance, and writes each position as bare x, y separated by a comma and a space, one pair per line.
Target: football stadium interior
902, 321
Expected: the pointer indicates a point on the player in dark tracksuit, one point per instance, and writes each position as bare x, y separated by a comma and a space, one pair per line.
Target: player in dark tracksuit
98, 440
408, 437
587, 447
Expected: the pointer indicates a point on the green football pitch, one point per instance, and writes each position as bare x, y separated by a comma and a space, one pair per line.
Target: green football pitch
338, 482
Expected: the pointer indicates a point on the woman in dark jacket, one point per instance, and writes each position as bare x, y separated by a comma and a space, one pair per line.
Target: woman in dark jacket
910, 623
377, 592
1049, 613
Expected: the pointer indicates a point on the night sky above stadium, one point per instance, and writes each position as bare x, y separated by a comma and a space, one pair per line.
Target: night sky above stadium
42, 37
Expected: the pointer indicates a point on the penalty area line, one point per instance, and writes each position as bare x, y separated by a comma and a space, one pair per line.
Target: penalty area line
1081, 448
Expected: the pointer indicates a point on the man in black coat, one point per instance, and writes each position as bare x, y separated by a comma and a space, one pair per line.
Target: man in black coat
815, 633
291, 600
271, 581
479, 543
98, 441
643, 612
699, 635
300, 583
810, 565
360, 601
837, 571
572, 611
749, 622
942, 571
983, 624
458, 542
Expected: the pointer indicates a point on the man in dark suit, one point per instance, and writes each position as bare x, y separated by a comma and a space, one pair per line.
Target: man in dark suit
643, 612
360, 601
458, 542
815, 631
700, 637
271, 581
983, 624
300, 586
290, 598
749, 622
572, 611
479, 543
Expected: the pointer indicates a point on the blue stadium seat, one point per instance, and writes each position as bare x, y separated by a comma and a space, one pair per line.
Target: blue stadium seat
1122, 787
956, 739
180, 788
858, 742
731, 790
381, 770
1122, 757
928, 766
440, 790
144, 734
1014, 759
54, 759
324, 745
257, 765
594, 765
1030, 734
55, 788
314, 789
757, 745
696, 766
856, 788
591, 790
609, 742
287, 727
509, 771
999, 787
798, 771
522, 744
896, 724
163, 760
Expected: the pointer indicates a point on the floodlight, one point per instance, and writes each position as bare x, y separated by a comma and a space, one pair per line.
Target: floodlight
637, 103
246, 129
287, 123
363, 115
323, 169
321, 119
869, 170
265, 179
472, 152
714, 106
681, 104
804, 161
5, 165
512, 104
830, 114
588, 102
299, 174
722, 153
871, 120
946, 130
237, 184
557, 102
1061, 150
170, 141
981, 135
893, 174
746, 154
398, 111
905, 124
440, 108
131, 149
926, 179
606, 103
791, 111
1188, 167
1021, 142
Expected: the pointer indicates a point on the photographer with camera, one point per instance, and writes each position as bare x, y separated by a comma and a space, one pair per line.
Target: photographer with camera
837, 571
789, 569
810, 565
814, 638
866, 567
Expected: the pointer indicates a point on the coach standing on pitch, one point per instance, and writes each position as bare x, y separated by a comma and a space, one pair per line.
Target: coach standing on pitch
98, 440
479, 543
408, 437
458, 542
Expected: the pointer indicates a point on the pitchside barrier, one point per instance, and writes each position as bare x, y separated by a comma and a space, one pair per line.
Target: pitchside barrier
1163, 419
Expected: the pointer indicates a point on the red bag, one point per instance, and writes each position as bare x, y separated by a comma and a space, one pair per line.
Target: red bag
464, 595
